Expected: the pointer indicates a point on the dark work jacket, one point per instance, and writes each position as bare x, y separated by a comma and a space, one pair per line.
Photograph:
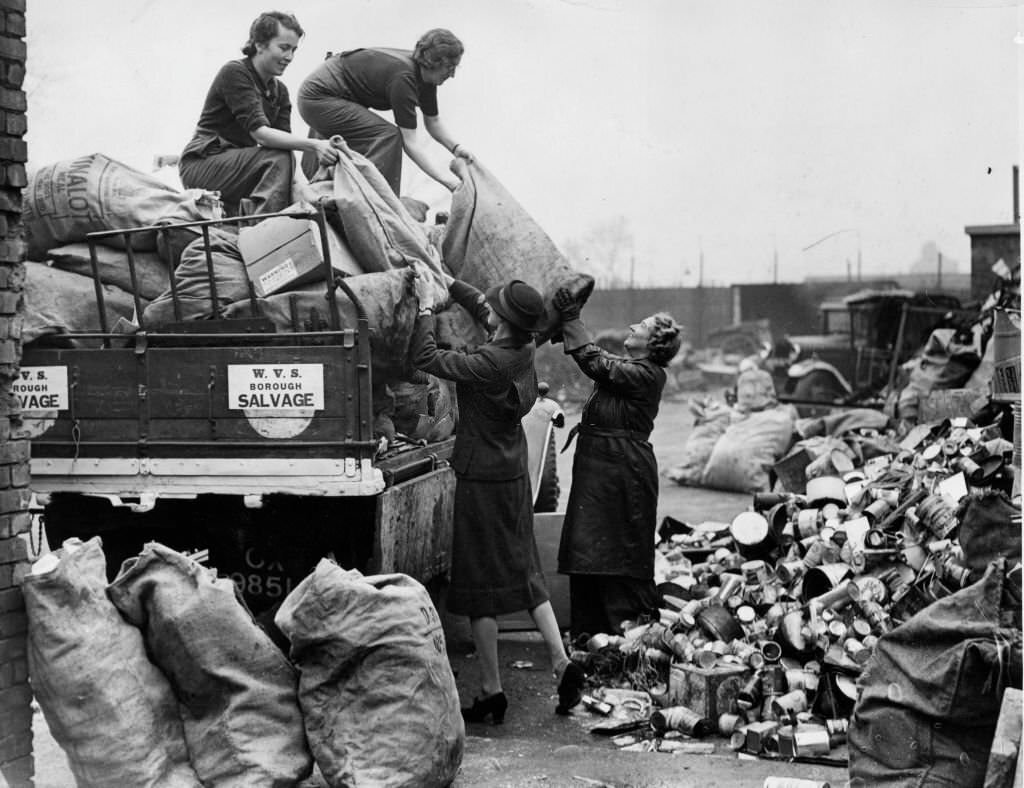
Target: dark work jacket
609, 525
495, 385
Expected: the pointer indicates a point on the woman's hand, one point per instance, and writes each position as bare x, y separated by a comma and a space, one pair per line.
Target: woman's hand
326, 153
451, 184
566, 304
461, 151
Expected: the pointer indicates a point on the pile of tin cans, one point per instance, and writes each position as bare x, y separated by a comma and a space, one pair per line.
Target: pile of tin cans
767, 621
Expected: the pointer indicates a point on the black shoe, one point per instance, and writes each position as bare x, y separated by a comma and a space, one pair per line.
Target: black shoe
570, 688
492, 706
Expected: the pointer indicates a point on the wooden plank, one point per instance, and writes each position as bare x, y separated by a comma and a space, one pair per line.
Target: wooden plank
1004, 758
414, 526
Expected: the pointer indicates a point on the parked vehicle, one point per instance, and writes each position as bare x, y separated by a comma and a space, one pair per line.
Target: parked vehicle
225, 437
864, 338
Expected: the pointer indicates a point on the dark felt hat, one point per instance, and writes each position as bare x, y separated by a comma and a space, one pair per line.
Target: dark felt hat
518, 303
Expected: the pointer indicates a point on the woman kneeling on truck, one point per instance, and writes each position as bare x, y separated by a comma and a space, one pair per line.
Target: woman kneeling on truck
243, 146
495, 563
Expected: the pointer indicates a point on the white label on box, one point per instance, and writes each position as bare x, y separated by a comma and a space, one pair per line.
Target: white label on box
280, 275
41, 389
275, 386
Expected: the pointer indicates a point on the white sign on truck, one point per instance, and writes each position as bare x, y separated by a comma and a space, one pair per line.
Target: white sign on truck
275, 386
41, 389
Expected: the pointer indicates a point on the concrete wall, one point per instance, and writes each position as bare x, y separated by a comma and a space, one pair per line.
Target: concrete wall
16, 764
700, 309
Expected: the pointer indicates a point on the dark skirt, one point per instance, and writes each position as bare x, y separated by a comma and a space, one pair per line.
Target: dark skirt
495, 564
601, 603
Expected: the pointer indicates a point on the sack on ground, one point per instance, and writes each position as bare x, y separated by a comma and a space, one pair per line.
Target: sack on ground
69, 199
709, 425
931, 692
110, 709
60, 302
747, 450
237, 691
192, 281
490, 239
377, 691
151, 274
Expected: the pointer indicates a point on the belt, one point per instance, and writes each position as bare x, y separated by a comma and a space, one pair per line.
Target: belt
604, 432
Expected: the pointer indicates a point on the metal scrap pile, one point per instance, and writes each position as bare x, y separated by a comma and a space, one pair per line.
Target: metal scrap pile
768, 621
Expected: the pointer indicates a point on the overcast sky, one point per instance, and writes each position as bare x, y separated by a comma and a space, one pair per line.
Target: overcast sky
739, 128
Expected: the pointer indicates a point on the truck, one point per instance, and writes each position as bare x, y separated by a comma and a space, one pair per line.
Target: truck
864, 338
248, 447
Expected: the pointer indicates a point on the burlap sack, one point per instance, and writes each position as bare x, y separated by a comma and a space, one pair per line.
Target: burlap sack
111, 711
377, 692
490, 240
151, 274
58, 302
237, 691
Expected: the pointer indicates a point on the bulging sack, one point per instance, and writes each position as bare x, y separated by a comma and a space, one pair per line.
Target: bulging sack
59, 302
152, 276
377, 692
237, 691
490, 240
69, 199
110, 709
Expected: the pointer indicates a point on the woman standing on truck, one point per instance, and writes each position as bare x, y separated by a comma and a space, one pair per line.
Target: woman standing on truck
495, 563
338, 96
243, 145
607, 545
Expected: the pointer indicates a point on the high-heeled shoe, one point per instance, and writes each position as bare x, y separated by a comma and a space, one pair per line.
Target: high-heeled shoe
570, 688
492, 706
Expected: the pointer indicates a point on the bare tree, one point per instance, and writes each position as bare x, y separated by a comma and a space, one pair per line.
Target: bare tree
604, 252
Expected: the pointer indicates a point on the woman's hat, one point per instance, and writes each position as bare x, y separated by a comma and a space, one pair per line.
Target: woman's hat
518, 303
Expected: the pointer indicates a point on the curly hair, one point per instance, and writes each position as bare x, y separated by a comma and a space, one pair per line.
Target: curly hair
438, 48
265, 28
666, 338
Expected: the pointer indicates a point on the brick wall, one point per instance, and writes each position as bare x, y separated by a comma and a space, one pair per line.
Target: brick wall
16, 764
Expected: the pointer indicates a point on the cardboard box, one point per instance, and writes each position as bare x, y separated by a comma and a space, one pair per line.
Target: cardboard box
281, 253
708, 691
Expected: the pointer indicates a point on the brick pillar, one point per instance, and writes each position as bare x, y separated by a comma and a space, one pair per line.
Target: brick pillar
16, 764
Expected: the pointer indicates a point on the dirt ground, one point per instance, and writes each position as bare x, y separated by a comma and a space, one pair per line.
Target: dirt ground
535, 747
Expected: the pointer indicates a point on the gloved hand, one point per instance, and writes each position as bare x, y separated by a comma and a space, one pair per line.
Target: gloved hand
566, 304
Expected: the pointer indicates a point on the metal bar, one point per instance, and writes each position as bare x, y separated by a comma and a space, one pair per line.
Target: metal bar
363, 371
895, 363
100, 301
99, 235
209, 270
343, 444
135, 283
325, 252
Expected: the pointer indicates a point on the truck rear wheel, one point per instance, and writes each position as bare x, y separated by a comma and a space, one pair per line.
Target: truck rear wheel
547, 496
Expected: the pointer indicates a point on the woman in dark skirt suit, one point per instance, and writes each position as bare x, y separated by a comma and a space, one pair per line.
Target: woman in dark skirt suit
495, 564
607, 545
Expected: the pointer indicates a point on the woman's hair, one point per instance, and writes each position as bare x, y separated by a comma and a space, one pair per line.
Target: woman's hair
265, 28
666, 337
438, 48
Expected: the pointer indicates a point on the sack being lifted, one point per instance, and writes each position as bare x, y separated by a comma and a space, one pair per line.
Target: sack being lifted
491, 239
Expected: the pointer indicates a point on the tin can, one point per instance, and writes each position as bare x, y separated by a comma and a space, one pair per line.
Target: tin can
808, 523
811, 740
755, 573
728, 723
750, 695
682, 719
791, 703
